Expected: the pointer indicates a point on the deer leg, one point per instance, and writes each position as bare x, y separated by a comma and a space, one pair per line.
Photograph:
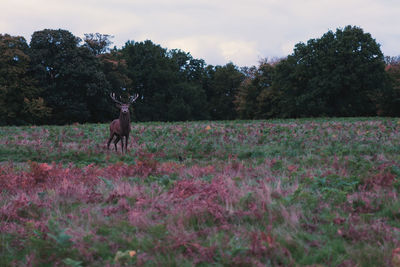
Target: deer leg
122, 143
109, 140
126, 143
116, 142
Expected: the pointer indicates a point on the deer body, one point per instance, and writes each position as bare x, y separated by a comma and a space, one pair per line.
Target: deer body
121, 127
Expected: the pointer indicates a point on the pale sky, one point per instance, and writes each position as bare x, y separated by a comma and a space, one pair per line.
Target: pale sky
218, 31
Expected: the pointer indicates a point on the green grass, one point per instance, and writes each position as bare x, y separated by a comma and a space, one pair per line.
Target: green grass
273, 193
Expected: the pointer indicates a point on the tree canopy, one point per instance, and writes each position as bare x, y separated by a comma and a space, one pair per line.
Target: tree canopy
339, 74
169, 82
20, 100
59, 78
74, 86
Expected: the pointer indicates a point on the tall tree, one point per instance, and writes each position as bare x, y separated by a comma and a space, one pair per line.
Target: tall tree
75, 87
390, 100
97, 43
255, 96
167, 82
115, 70
222, 88
187, 93
268, 97
19, 94
339, 74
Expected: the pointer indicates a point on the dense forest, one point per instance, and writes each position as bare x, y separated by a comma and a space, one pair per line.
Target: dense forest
59, 78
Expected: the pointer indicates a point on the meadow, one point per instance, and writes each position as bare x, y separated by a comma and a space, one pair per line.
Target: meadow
307, 192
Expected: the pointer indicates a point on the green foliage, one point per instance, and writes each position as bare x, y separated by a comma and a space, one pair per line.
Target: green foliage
36, 110
57, 245
108, 183
255, 97
57, 79
273, 193
19, 94
390, 100
167, 81
74, 86
97, 43
58, 235
72, 263
221, 88
115, 70
339, 74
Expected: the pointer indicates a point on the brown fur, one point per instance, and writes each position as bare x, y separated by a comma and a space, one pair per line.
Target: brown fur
120, 128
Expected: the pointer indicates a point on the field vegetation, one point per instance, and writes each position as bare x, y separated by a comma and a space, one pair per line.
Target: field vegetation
306, 192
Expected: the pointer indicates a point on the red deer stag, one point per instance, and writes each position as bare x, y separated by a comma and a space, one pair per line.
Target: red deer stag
121, 127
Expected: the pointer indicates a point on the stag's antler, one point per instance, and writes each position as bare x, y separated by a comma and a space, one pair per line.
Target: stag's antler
112, 95
133, 98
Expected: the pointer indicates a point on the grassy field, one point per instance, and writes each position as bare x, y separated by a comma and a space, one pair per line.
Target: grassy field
321, 192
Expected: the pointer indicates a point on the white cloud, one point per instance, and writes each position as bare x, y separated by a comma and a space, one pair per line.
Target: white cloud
219, 48
240, 52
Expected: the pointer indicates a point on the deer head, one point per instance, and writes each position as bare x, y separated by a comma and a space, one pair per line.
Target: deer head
122, 106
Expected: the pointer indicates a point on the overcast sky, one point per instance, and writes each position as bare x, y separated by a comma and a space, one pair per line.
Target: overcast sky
218, 31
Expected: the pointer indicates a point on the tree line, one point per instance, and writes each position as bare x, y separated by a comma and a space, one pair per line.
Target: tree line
59, 78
